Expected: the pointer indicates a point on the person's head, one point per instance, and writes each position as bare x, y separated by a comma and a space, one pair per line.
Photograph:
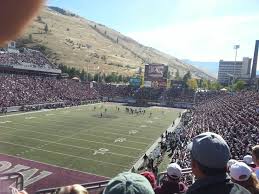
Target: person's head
242, 174
174, 172
128, 182
73, 189
150, 177
248, 159
15, 15
255, 154
210, 154
230, 163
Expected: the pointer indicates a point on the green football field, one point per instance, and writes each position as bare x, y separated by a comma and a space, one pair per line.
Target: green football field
77, 138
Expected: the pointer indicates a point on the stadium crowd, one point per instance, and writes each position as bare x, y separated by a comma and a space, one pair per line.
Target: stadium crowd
18, 90
27, 57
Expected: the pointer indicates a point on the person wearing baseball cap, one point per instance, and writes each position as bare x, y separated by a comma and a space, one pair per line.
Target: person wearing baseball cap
209, 157
243, 175
128, 183
248, 159
150, 177
255, 156
172, 182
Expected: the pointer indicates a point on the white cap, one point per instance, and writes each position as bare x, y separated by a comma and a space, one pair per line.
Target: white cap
248, 159
240, 171
231, 162
174, 170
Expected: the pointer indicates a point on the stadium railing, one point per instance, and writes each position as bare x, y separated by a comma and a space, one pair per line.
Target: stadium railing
94, 187
15, 180
187, 177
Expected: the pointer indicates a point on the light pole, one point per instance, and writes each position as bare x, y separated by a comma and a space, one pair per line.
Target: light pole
234, 77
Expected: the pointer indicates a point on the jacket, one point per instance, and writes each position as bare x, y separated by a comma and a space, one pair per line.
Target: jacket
216, 185
171, 187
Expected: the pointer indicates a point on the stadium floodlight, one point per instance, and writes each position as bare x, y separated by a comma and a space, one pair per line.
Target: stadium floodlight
235, 47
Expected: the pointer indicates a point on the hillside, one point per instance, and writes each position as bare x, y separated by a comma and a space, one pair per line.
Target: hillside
77, 42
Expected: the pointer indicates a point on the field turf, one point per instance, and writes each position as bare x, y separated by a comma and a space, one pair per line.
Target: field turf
77, 138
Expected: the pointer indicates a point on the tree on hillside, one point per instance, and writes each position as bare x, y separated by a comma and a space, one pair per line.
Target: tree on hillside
215, 86
177, 75
117, 41
239, 85
39, 19
186, 77
192, 84
46, 28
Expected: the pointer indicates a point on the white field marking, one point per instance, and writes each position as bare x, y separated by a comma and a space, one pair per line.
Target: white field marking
105, 132
3, 122
149, 121
101, 151
143, 126
156, 118
59, 153
28, 118
83, 125
120, 140
50, 114
66, 112
26, 113
133, 132
52, 135
53, 165
73, 146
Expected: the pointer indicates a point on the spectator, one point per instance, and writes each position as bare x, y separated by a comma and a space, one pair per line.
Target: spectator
150, 177
242, 174
230, 163
128, 183
255, 155
73, 189
172, 183
249, 161
209, 156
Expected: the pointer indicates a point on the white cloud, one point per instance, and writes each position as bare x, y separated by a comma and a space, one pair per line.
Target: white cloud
209, 39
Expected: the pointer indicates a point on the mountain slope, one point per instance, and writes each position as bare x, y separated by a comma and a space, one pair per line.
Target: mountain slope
75, 41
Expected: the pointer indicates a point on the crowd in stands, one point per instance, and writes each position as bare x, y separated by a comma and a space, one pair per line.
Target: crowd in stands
27, 57
19, 90
110, 90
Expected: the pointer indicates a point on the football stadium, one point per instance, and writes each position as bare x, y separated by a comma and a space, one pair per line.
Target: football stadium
104, 114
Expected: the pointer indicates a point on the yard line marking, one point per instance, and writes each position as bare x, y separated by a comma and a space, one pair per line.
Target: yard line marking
74, 146
59, 153
28, 118
53, 135
109, 132
3, 122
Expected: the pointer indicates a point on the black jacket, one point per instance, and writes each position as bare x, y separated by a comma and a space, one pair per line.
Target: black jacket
216, 185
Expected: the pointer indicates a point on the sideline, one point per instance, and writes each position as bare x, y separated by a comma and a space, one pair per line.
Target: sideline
155, 144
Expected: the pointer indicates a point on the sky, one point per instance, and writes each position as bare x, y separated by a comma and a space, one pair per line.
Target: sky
198, 30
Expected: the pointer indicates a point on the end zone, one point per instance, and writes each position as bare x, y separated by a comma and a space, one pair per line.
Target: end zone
39, 175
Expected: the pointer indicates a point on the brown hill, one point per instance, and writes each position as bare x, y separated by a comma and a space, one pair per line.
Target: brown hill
78, 42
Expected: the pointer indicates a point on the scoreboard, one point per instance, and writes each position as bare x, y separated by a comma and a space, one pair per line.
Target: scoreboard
156, 75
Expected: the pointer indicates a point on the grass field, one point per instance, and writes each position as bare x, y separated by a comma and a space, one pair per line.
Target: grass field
77, 138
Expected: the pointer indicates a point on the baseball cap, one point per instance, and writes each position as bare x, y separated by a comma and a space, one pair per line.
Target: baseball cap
231, 162
210, 150
128, 182
240, 171
150, 177
248, 159
174, 171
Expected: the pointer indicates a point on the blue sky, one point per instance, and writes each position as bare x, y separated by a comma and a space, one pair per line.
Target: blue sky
199, 30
